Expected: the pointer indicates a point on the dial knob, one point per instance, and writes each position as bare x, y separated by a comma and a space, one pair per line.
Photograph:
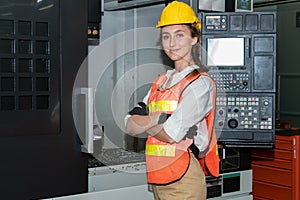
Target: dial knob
221, 112
221, 123
232, 123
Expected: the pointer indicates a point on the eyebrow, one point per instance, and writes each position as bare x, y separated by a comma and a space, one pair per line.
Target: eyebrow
177, 31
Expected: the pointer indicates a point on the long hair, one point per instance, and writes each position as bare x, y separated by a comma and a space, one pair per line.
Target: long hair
196, 48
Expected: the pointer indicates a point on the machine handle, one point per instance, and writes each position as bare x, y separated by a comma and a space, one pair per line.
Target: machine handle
250, 145
88, 143
248, 48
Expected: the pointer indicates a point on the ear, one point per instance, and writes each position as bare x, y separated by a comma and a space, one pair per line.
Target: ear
194, 40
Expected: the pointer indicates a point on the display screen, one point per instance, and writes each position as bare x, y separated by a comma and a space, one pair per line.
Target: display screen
225, 51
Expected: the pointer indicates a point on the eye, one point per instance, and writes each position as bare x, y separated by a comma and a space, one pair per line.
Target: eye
179, 35
165, 37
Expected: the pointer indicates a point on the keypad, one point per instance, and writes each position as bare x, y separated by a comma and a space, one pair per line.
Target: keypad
232, 82
244, 112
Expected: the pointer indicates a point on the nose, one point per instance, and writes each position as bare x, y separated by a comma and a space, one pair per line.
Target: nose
172, 41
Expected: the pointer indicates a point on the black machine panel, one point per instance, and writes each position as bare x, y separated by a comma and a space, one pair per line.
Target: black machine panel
245, 119
29, 70
254, 22
244, 63
41, 50
94, 21
245, 111
240, 51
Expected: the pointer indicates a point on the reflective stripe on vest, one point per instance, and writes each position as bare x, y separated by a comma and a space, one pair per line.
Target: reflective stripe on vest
162, 106
156, 149
160, 150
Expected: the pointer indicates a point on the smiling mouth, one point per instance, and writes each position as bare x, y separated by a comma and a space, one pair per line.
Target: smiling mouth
173, 50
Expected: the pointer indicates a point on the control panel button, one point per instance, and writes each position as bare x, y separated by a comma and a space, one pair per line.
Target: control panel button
232, 123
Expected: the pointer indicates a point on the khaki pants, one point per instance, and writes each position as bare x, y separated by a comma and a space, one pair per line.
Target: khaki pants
191, 186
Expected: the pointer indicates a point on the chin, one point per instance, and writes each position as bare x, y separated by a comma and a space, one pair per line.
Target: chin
174, 57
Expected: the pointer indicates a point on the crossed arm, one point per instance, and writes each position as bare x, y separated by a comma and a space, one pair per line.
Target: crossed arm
137, 124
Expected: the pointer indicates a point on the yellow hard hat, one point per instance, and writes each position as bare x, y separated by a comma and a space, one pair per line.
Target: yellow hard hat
178, 13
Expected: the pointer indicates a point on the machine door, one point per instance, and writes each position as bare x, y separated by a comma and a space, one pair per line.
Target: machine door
40, 53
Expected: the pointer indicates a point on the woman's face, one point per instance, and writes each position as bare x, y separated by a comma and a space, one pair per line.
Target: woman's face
177, 42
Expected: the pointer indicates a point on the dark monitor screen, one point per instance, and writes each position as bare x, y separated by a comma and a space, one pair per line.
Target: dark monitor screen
225, 51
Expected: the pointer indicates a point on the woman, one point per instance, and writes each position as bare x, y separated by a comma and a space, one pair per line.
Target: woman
177, 113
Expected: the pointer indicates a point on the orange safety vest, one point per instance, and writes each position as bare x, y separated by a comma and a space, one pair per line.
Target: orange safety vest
168, 162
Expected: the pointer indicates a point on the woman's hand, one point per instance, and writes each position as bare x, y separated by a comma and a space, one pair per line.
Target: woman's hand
137, 124
140, 109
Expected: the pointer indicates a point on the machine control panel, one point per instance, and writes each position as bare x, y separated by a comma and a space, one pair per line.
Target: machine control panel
245, 112
216, 22
253, 22
232, 82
